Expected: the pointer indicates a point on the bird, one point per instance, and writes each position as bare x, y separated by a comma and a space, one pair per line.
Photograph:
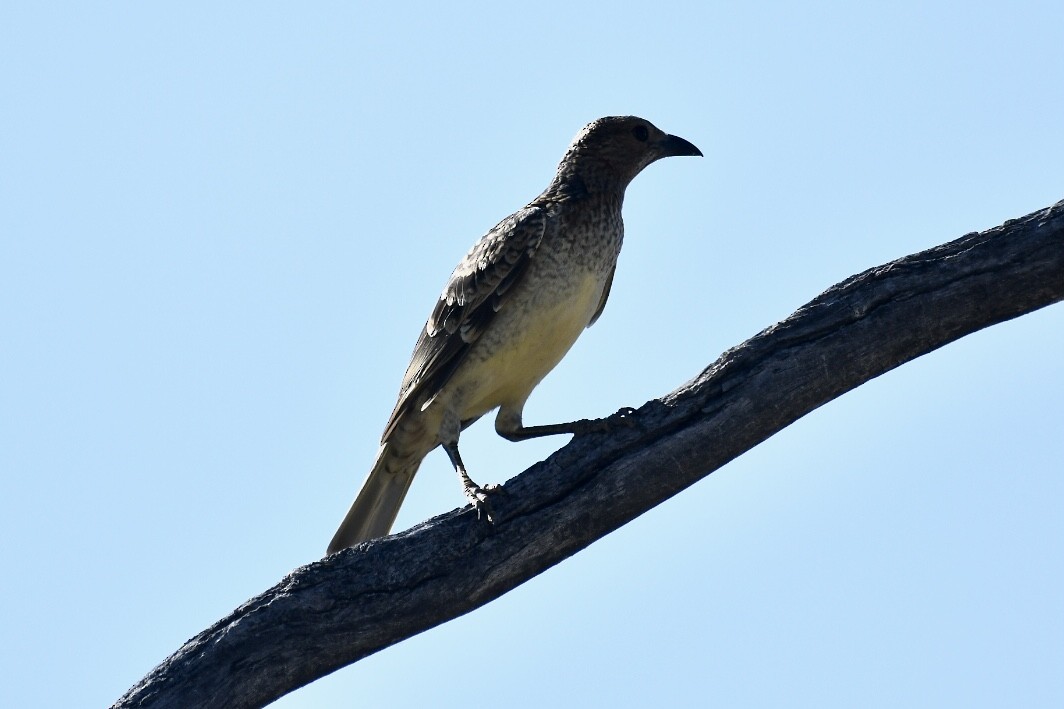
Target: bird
511, 309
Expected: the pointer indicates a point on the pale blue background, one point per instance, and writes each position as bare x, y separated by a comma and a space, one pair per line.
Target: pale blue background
222, 228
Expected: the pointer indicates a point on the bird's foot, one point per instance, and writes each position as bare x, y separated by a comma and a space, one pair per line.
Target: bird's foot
479, 497
622, 418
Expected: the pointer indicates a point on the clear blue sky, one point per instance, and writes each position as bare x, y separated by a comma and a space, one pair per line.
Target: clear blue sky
222, 228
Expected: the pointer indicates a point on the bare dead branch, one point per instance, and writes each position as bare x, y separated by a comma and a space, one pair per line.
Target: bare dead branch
336, 611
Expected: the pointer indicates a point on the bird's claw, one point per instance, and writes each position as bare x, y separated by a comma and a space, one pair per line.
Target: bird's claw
623, 417
479, 495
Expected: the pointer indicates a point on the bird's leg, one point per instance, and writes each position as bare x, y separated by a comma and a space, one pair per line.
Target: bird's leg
476, 494
512, 429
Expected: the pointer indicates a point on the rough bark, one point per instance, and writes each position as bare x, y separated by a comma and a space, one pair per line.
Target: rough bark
336, 611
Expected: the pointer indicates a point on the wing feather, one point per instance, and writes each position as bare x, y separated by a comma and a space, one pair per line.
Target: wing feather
605, 296
476, 290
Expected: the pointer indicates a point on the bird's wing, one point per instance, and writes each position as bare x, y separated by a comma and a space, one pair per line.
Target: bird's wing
477, 290
605, 296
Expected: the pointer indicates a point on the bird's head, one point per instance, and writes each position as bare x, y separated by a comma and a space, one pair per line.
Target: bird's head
619, 147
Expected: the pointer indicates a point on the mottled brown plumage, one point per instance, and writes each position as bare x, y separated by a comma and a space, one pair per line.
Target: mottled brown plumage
510, 311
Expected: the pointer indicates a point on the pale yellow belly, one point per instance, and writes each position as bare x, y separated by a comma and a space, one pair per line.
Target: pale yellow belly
521, 347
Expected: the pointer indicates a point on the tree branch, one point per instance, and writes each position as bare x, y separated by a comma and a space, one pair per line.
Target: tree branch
336, 611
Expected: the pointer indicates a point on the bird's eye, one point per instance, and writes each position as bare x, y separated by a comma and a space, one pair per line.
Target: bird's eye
640, 133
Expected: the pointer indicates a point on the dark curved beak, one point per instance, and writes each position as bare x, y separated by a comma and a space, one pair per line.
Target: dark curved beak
674, 146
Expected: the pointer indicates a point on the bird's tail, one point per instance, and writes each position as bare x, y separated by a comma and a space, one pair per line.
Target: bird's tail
374, 510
